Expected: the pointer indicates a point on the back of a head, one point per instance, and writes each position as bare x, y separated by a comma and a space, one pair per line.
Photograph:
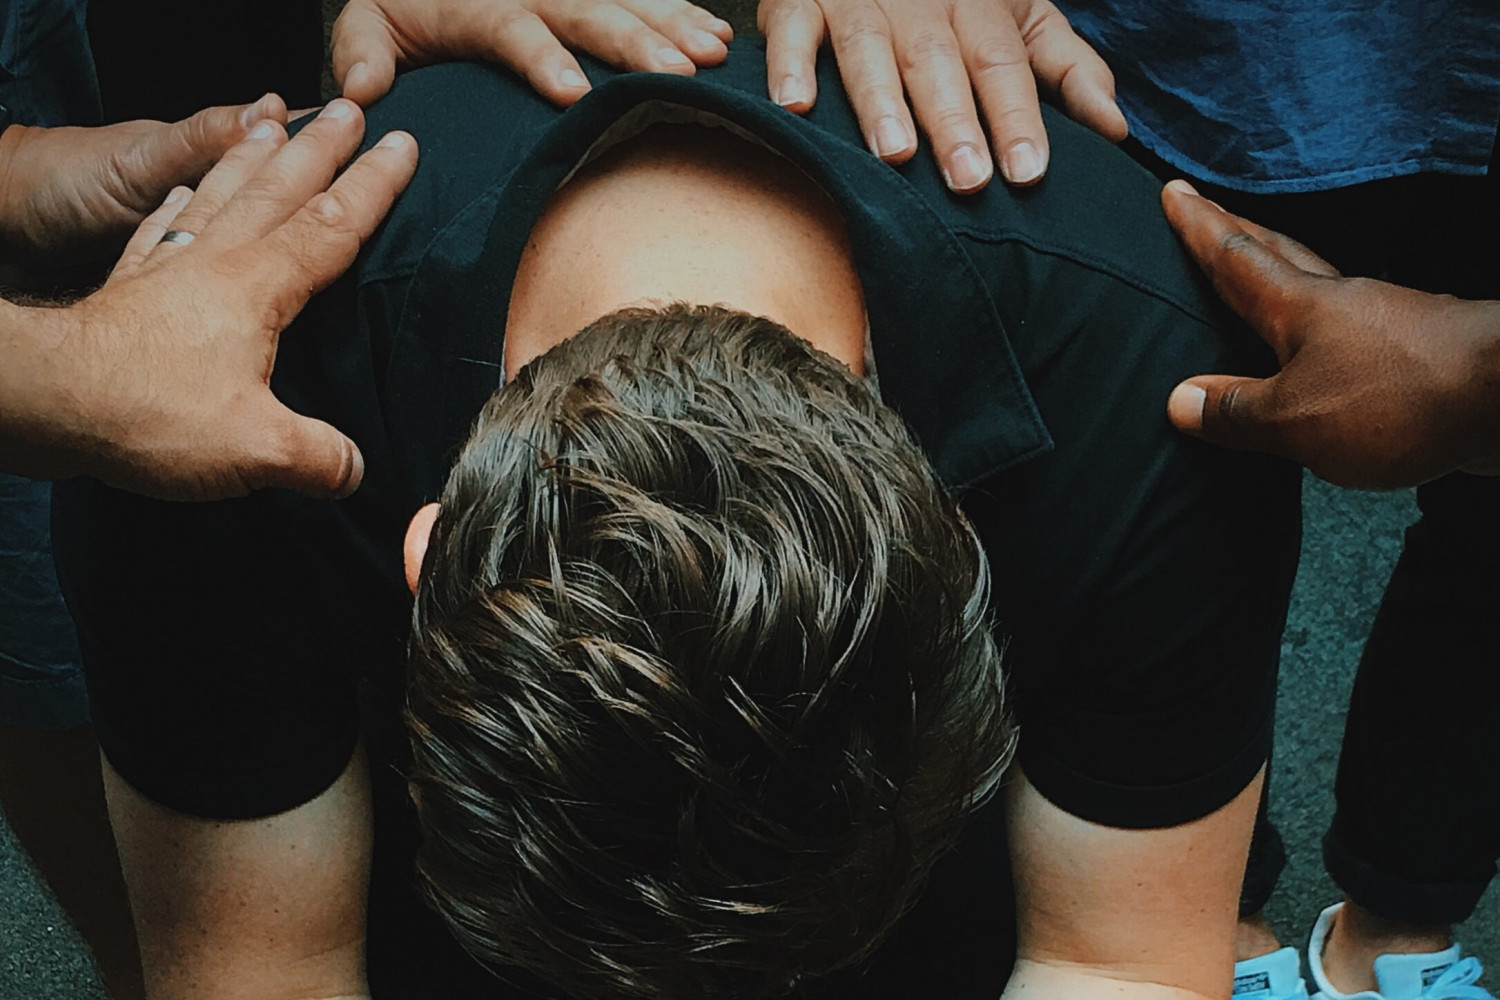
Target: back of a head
701, 683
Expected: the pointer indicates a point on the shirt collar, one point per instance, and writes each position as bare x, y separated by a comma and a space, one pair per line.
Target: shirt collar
944, 358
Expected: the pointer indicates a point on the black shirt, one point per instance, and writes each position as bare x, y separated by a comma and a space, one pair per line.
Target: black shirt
1030, 338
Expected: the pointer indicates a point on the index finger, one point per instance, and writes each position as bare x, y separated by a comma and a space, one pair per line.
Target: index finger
301, 168
866, 56
1255, 281
306, 253
937, 81
1000, 70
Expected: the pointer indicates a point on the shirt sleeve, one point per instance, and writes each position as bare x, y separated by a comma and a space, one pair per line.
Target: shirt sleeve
226, 644
1142, 576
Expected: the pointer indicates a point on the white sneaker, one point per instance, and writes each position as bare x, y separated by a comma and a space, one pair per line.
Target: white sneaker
1436, 975
1277, 976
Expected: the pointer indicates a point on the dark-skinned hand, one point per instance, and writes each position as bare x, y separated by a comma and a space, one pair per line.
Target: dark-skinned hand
159, 382
942, 55
1380, 386
73, 193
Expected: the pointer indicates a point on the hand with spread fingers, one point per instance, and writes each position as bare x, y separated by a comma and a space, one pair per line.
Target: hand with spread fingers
73, 193
1380, 386
944, 55
532, 37
159, 382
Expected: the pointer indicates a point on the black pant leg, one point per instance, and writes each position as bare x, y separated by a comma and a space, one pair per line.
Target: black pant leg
1394, 846
1417, 828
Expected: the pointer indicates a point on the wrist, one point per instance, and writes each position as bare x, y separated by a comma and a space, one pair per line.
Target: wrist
1478, 422
42, 399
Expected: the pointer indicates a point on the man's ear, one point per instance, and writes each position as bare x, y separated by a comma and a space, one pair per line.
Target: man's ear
415, 546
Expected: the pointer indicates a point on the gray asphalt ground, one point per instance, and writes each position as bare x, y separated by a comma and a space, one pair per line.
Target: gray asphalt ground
1351, 541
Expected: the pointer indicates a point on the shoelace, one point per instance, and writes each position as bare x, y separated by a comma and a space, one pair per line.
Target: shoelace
1457, 983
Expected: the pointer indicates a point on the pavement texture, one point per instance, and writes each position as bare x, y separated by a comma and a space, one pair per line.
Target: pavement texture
1351, 541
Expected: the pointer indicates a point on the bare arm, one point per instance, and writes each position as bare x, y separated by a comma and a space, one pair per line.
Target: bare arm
264, 909
1130, 914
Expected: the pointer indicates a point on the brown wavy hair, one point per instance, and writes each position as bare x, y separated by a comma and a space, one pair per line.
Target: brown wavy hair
701, 680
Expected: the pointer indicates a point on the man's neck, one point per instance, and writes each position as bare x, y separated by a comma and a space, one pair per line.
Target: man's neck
692, 214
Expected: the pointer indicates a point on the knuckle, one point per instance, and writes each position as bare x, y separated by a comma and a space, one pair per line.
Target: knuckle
997, 54
863, 31
645, 39
953, 122
1044, 18
508, 20
928, 46
329, 240
877, 96
1238, 243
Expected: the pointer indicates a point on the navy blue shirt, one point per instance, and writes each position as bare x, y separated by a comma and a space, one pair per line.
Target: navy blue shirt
47, 79
46, 69
1277, 96
1030, 338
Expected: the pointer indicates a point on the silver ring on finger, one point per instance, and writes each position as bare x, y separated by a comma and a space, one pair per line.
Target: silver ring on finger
179, 236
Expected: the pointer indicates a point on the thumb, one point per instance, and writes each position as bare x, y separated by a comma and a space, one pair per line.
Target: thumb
308, 456
364, 53
1226, 410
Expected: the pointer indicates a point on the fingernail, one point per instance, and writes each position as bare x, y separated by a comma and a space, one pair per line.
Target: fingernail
337, 110
176, 194
1185, 406
706, 40
1183, 186
967, 169
792, 90
262, 131
391, 140
355, 74
572, 79
356, 475
890, 136
719, 25
1023, 164
671, 57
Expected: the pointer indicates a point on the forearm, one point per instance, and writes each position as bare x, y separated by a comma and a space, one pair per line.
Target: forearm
1033, 980
1142, 914
266, 909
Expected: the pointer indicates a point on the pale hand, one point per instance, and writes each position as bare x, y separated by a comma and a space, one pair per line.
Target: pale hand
69, 193
371, 38
944, 55
159, 382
